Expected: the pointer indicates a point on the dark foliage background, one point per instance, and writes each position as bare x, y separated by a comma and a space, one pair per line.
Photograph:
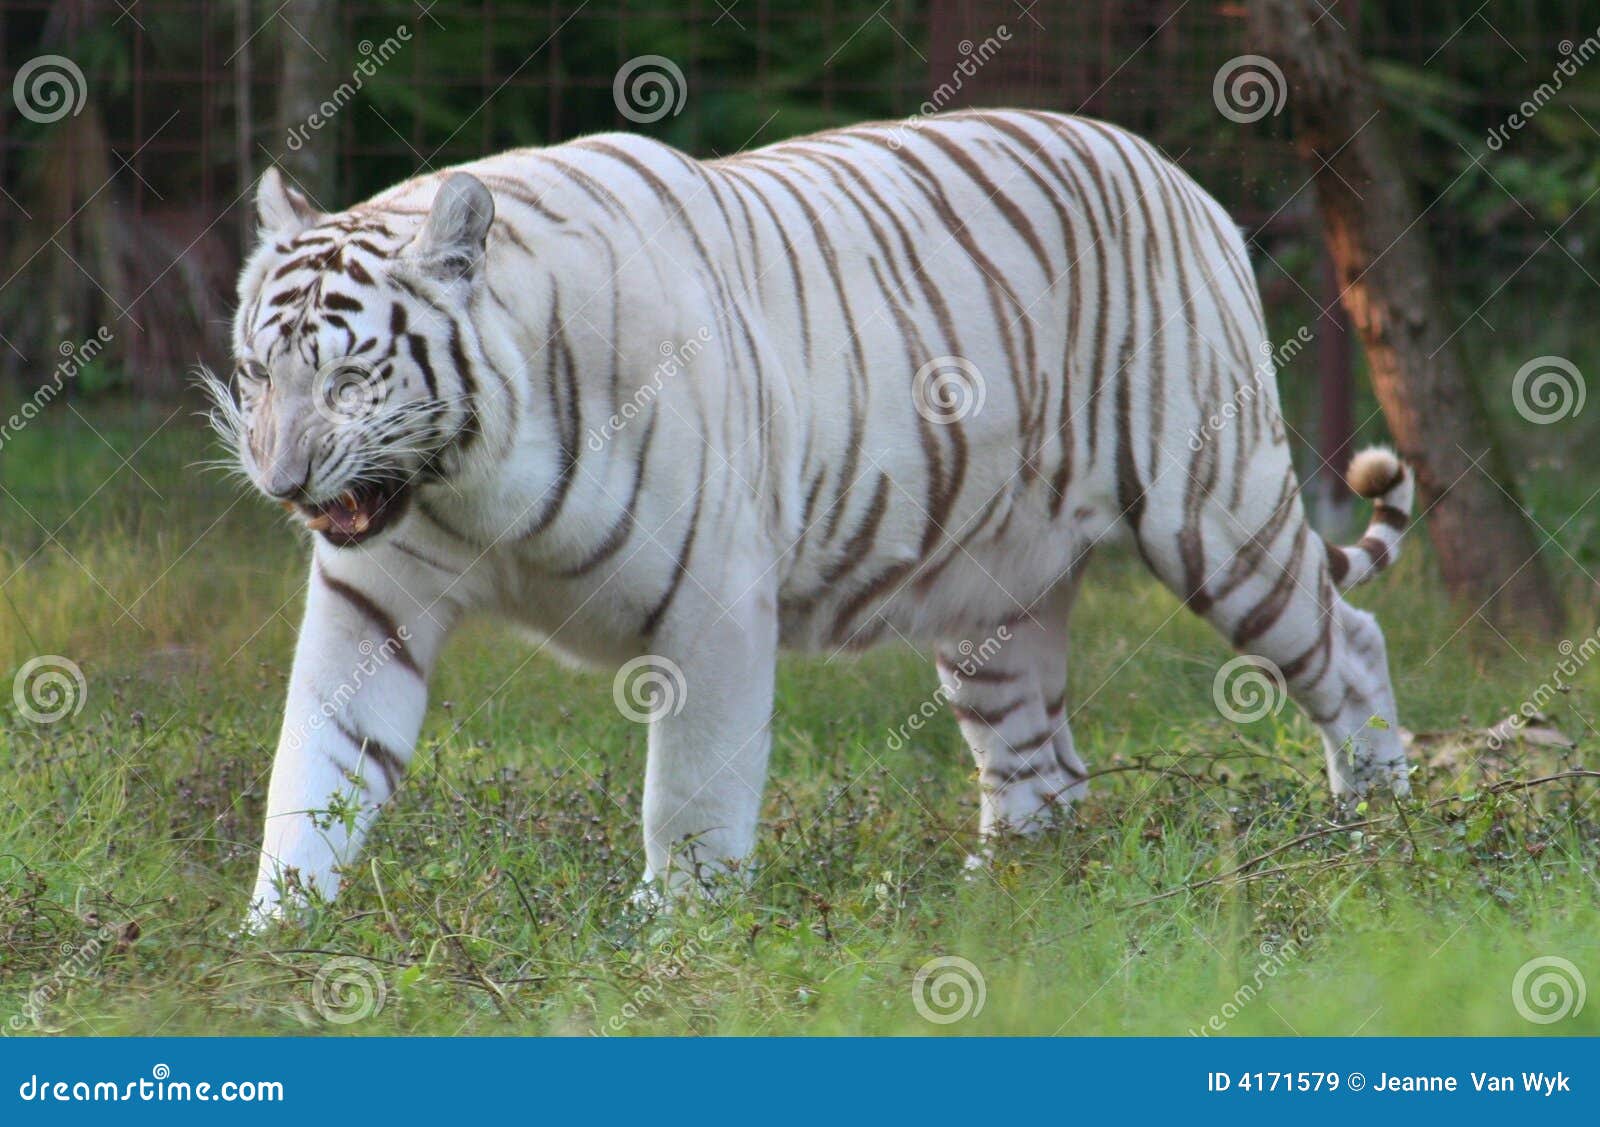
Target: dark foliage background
132, 212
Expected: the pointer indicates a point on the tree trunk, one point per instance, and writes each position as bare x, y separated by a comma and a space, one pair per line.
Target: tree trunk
244, 134
1487, 550
308, 77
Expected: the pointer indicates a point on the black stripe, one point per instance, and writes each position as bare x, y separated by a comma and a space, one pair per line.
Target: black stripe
1338, 563
1377, 549
653, 619
1391, 516
618, 536
866, 531
470, 429
988, 717
562, 376
387, 760
379, 618
341, 302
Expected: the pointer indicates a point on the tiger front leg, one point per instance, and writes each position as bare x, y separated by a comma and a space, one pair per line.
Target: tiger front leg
357, 693
710, 734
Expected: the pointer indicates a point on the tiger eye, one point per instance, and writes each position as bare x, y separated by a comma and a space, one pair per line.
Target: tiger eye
255, 372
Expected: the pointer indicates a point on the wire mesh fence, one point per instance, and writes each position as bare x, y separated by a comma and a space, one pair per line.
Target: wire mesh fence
128, 208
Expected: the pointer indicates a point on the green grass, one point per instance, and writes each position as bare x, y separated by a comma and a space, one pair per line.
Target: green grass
1202, 878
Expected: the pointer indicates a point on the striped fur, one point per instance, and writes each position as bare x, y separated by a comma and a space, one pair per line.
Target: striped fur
641, 404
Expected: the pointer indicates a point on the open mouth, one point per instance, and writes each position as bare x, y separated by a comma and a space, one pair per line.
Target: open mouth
357, 514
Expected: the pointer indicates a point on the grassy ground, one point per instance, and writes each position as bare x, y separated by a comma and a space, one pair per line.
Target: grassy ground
1203, 886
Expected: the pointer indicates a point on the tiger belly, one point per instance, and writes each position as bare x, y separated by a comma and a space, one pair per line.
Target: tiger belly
987, 581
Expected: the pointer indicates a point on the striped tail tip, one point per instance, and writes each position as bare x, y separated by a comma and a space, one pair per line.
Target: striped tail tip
1379, 475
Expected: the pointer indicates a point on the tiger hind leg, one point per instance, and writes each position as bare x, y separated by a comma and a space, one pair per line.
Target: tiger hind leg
1272, 588
1007, 692
1051, 668
1330, 658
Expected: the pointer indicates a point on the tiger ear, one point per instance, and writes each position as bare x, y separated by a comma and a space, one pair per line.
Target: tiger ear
452, 240
281, 210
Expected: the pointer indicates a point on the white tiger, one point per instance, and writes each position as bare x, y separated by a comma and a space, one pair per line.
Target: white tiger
880, 382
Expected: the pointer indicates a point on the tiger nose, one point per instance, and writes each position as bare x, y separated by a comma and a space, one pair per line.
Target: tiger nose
286, 481
284, 460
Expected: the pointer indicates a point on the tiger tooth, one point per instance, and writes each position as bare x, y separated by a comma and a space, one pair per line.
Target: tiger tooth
361, 522
319, 522
348, 500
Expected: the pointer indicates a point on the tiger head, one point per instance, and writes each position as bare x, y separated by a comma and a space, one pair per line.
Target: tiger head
352, 382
